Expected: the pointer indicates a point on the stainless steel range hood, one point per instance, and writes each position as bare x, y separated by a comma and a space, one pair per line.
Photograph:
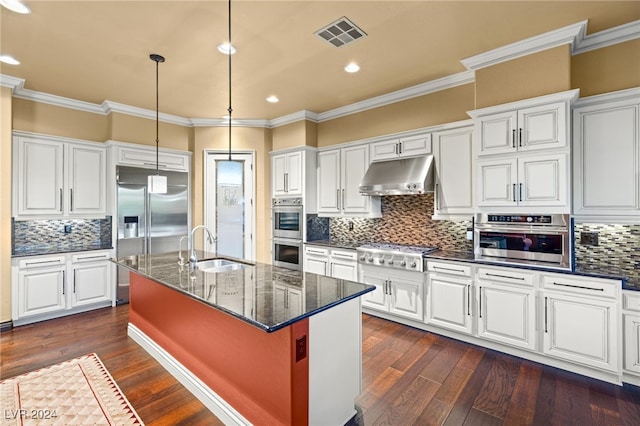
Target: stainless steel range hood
399, 177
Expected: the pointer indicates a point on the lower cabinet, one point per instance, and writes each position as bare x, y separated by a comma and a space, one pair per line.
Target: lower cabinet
287, 302
332, 262
449, 302
45, 287
631, 323
397, 292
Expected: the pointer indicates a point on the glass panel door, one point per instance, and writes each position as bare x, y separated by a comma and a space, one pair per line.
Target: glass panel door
230, 207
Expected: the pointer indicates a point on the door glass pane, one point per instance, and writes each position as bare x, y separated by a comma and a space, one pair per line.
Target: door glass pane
230, 207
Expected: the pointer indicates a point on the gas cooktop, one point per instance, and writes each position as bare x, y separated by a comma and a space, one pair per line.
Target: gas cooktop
390, 247
388, 255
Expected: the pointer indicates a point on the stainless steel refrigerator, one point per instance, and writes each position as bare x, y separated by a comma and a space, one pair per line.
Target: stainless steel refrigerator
149, 223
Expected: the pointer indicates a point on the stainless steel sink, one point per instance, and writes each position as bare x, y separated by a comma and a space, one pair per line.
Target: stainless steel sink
219, 265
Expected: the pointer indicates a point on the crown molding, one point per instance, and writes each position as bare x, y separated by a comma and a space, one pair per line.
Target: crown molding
221, 122
294, 117
110, 106
632, 94
46, 98
608, 37
571, 34
13, 83
448, 82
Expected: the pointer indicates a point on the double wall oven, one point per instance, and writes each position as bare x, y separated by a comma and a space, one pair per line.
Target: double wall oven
287, 221
541, 240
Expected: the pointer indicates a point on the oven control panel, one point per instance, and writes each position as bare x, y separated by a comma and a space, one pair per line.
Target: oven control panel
409, 262
495, 218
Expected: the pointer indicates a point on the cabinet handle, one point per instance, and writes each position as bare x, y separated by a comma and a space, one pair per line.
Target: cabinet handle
437, 196
513, 138
154, 165
60, 199
343, 198
514, 193
505, 276
448, 269
520, 192
74, 280
468, 299
396, 149
520, 136
41, 262
338, 199
71, 199
399, 147
480, 302
100, 256
578, 286
546, 330
286, 182
64, 281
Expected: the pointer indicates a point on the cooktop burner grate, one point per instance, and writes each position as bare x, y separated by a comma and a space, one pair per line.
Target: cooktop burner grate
401, 248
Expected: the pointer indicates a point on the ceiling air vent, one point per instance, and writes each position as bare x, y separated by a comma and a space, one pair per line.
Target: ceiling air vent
340, 32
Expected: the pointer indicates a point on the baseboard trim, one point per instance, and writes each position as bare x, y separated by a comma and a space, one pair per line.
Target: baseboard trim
218, 406
6, 326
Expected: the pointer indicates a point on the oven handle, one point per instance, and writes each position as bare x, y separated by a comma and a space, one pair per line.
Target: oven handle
289, 241
541, 230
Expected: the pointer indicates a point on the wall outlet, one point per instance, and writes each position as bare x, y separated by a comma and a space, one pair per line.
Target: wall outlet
589, 238
350, 226
301, 348
67, 229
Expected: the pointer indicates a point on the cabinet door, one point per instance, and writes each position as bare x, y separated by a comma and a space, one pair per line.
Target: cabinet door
454, 162
496, 133
607, 159
415, 145
355, 161
41, 291
279, 168
316, 264
497, 180
344, 270
581, 330
542, 127
87, 180
384, 150
406, 298
295, 301
293, 174
91, 283
543, 181
632, 343
329, 181
39, 177
506, 314
449, 303
376, 299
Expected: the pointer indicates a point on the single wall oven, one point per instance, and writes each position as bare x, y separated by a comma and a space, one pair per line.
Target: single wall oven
287, 253
541, 240
287, 231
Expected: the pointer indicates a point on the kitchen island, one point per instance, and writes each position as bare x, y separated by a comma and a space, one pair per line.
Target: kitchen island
257, 344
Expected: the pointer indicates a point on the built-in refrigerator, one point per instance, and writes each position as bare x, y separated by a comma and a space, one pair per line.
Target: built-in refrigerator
148, 223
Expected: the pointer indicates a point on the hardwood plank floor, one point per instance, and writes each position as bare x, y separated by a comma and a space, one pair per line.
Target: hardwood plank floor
410, 377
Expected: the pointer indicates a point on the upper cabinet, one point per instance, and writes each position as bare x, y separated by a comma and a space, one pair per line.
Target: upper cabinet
453, 152
340, 172
58, 177
606, 155
401, 147
293, 174
523, 152
145, 156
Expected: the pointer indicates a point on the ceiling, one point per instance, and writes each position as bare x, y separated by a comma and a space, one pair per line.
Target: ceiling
99, 50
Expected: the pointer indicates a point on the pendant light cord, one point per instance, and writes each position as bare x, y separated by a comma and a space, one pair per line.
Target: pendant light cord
157, 120
230, 110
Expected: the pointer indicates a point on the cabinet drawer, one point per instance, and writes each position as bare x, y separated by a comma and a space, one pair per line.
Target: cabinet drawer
582, 285
631, 300
39, 262
509, 276
318, 251
344, 255
449, 268
90, 257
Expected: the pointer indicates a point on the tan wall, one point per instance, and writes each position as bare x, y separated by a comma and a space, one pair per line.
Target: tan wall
48, 119
5, 204
608, 69
538, 74
248, 138
127, 128
435, 108
290, 135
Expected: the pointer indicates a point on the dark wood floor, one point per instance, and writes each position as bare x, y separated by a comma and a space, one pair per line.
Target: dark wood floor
410, 377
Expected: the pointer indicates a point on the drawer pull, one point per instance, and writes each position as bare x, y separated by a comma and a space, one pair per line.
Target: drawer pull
505, 276
154, 164
42, 262
449, 269
578, 286
315, 251
100, 256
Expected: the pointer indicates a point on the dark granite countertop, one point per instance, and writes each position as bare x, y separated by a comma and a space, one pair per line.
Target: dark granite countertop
248, 294
48, 249
609, 273
352, 245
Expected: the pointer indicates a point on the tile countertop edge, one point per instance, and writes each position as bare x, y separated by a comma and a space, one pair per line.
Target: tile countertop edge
261, 326
469, 257
45, 252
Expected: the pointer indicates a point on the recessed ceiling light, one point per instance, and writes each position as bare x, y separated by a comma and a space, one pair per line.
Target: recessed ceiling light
273, 99
352, 67
226, 48
9, 60
15, 6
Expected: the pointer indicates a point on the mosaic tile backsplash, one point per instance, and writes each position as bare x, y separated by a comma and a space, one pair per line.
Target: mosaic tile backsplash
618, 247
48, 236
406, 219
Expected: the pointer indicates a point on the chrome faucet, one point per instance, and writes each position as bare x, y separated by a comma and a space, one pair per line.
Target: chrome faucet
193, 259
180, 258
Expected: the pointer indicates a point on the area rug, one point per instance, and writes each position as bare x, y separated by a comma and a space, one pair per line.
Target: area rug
76, 392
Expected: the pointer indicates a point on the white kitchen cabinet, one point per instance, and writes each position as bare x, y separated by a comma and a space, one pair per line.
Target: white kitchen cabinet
606, 155
332, 262
142, 156
39, 286
580, 320
57, 177
454, 176
340, 172
90, 278
507, 306
316, 260
288, 302
286, 174
408, 146
397, 292
527, 181
450, 296
631, 336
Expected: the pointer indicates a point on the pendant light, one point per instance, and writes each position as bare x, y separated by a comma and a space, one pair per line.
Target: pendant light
157, 184
231, 50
